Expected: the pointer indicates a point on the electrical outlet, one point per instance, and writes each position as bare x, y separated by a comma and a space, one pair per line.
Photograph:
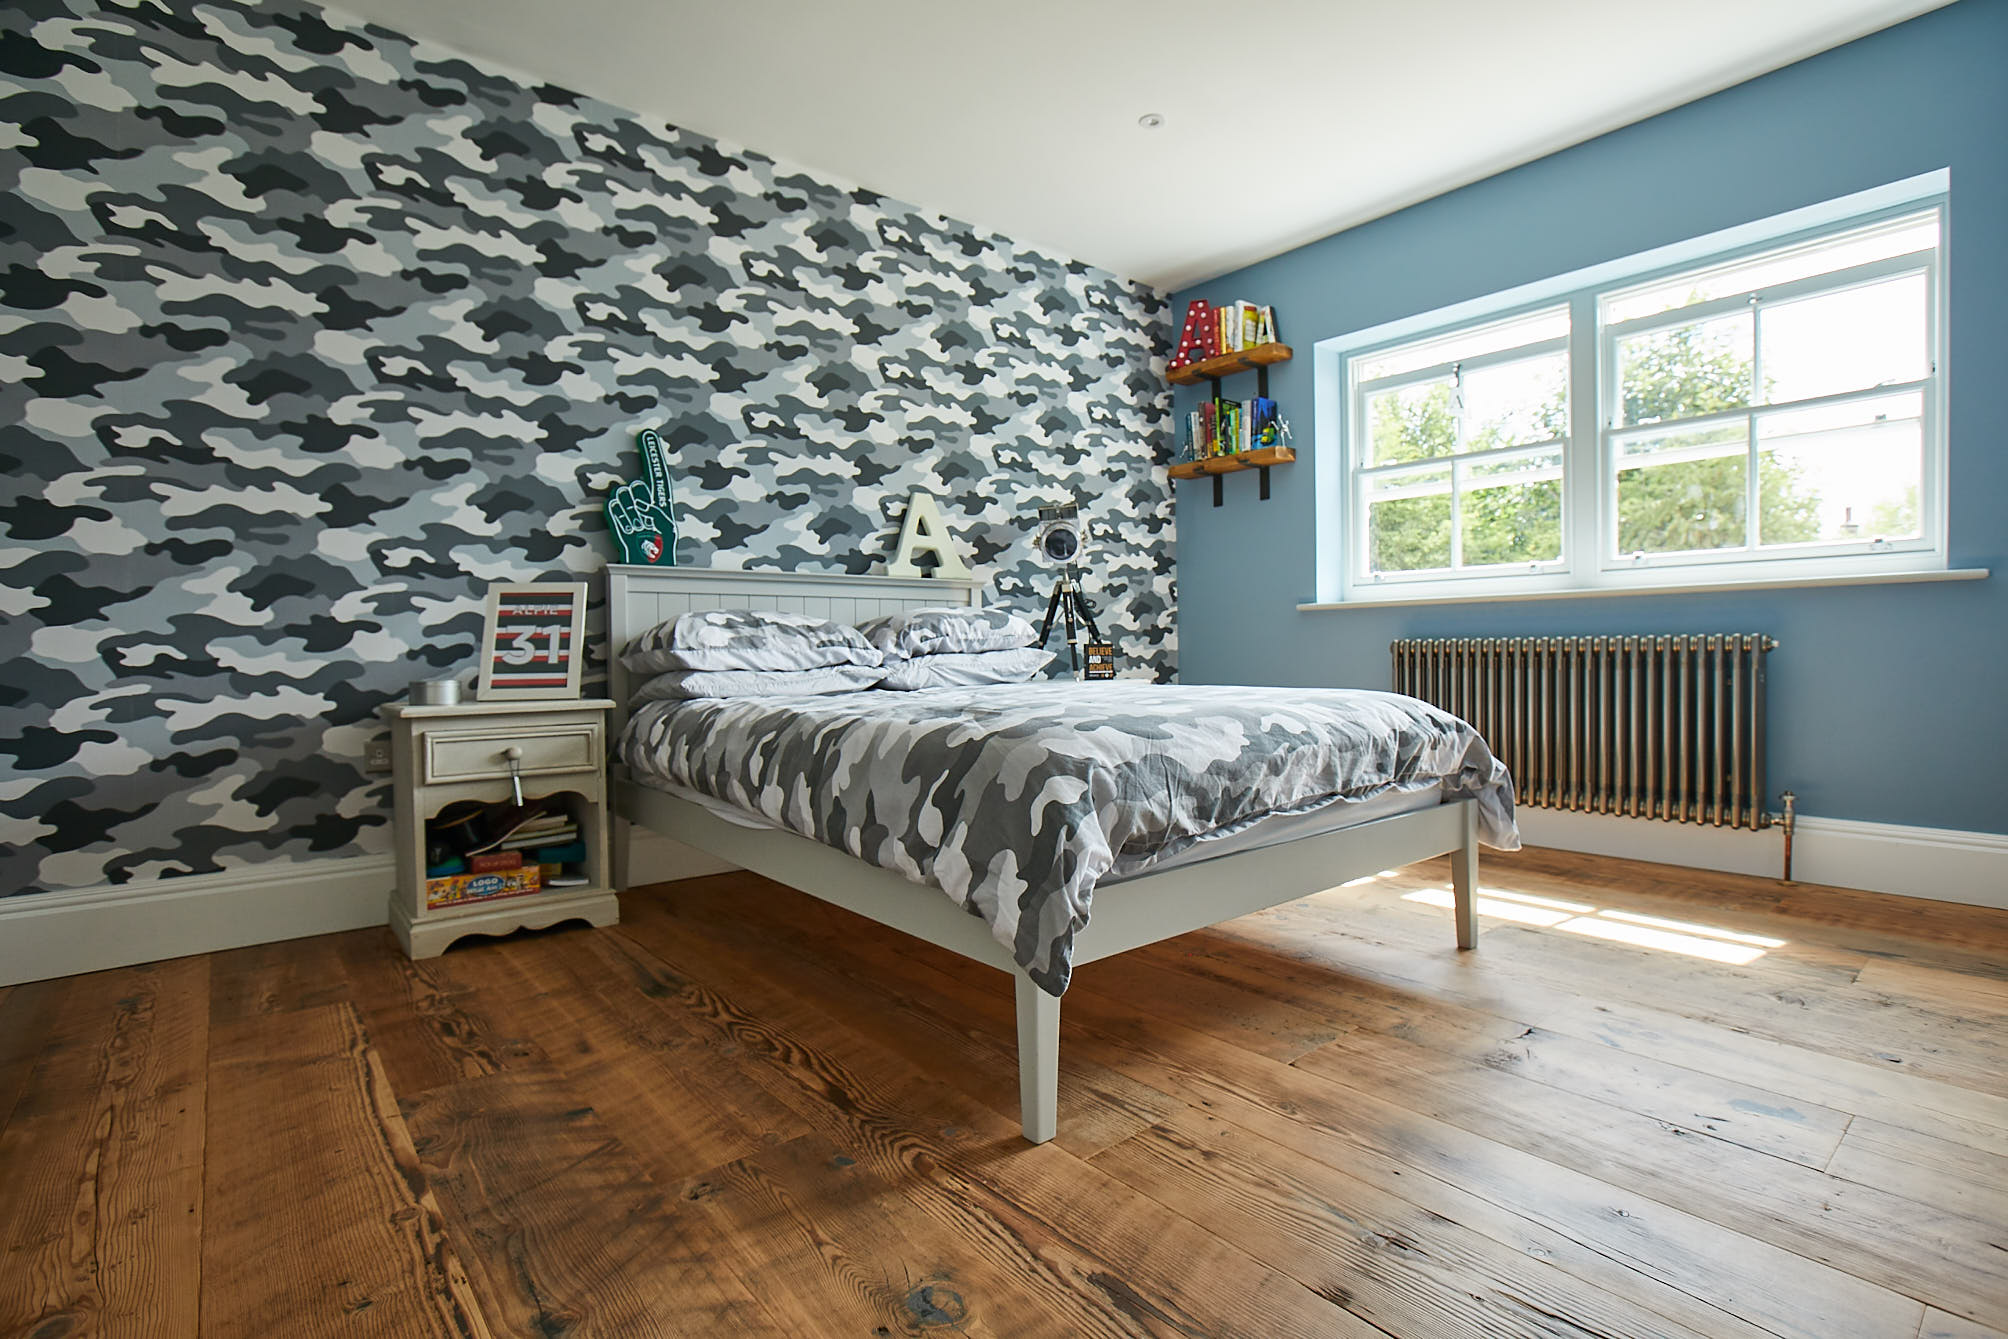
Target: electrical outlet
376, 755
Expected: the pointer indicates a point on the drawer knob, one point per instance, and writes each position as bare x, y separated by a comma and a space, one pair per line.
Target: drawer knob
514, 757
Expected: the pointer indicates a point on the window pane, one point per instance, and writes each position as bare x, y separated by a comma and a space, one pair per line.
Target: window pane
1842, 473
1683, 491
1899, 237
1873, 335
1414, 423
1518, 403
1533, 328
1408, 520
1686, 370
1511, 510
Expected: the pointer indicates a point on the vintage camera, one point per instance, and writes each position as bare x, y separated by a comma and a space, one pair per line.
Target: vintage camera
1061, 535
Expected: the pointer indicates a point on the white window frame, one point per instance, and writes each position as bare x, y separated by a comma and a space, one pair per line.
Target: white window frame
1590, 562
1457, 462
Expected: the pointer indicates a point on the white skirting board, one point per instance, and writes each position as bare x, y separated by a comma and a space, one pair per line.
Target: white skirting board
1937, 863
91, 929
117, 925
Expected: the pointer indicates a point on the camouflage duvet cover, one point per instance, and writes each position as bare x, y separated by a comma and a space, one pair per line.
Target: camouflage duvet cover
1015, 800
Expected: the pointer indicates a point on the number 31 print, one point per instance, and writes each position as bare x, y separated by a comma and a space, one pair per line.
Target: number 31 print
523, 645
533, 641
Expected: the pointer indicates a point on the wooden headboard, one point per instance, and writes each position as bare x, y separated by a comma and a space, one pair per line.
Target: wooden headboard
640, 597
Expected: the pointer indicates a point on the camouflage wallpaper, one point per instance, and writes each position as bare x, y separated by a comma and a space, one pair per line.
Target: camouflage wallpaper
311, 331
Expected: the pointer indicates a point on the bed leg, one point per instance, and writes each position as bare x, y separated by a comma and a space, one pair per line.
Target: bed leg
1464, 880
1038, 1059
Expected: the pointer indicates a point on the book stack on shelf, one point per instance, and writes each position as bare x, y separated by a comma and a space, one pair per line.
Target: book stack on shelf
1230, 427
1220, 435
1212, 332
476, 850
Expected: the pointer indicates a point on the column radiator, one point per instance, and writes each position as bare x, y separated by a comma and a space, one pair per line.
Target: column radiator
1652, 727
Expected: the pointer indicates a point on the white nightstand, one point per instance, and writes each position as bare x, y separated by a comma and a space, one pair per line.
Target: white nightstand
442, 754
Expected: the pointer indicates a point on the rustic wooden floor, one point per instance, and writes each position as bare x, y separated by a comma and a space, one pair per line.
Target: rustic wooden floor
745, 1113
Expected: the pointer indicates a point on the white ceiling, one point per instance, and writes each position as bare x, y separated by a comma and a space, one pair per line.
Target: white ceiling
1285, 120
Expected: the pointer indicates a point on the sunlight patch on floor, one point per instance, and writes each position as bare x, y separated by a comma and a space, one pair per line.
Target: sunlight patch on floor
1689, 927
1624, 927
1553, 903
1644, 936
1503, 908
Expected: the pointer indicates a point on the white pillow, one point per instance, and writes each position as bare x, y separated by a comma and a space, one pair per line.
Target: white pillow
965, 669
757, 683
955, 629
747, 639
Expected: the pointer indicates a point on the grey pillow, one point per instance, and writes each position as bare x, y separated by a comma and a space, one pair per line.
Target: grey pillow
949, 629
747, 639
757, 683
966, 669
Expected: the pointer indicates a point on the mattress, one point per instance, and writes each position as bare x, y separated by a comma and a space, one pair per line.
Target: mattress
1018, 800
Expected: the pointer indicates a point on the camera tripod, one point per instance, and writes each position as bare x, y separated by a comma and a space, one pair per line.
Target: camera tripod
1068, 600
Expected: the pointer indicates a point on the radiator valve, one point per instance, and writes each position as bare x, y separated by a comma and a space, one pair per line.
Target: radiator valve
1791, 821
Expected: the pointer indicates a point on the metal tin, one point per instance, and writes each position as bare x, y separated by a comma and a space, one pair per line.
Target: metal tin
435, 692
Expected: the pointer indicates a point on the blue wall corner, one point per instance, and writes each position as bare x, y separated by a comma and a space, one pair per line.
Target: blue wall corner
1888, 703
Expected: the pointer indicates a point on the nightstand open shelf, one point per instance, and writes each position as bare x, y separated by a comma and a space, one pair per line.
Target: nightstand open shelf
440, 755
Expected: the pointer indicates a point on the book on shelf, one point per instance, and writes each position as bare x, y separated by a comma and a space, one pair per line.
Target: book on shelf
1235, 327
1229, 427
531, 841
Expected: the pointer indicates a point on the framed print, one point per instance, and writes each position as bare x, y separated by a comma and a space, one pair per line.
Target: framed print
533, 643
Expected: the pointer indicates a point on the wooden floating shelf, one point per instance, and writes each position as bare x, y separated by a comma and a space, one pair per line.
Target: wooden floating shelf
1228, 464
1261, 355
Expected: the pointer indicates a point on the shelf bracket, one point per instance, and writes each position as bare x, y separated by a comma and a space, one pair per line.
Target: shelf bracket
1263, 470
1219, 492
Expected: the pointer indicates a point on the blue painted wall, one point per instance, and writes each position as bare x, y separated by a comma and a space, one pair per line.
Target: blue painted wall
1889, 703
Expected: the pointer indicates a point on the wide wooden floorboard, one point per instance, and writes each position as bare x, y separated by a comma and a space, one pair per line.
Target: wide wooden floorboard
744, 1112
101, 1162
317, 1220
565, 1233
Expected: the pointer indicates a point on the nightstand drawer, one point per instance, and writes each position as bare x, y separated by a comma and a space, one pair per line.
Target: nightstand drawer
476, 755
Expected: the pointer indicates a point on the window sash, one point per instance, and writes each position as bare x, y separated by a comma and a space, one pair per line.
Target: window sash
1855, 276
1611, 558
1438, 371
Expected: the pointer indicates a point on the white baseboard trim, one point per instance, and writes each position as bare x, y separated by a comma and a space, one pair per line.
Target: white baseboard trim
1941, 864
116, 925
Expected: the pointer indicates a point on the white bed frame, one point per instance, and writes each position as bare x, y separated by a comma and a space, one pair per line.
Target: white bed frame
1126, 915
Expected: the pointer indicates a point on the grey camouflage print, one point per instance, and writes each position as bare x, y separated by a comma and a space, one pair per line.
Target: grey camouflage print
1017, 799
310, 331
746, 639
932, 631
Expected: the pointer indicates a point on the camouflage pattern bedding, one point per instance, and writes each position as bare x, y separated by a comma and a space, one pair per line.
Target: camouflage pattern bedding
1016, 799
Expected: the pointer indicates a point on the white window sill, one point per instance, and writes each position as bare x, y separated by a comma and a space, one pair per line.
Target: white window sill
1393, 600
